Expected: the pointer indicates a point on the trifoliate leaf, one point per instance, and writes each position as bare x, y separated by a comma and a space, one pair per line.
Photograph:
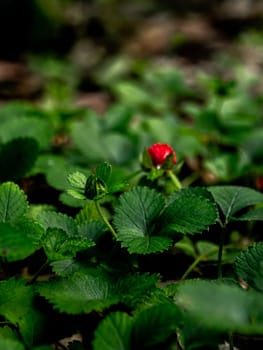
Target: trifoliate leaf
51, 219
114, 332
79, 293
17, 157
231, 199
13, 203
249, 266
155, 325
135, 218
18, 307
17, 243
188, 213
233, 309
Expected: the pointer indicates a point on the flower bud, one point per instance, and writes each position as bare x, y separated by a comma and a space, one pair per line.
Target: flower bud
162, 155
94, 187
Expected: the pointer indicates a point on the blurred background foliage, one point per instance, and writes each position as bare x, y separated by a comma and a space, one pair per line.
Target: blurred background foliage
128, 74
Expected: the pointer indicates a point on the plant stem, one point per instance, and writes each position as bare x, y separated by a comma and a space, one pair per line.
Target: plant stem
105, 220
174, 179
34, 278
196, 262
220, 252
191, 267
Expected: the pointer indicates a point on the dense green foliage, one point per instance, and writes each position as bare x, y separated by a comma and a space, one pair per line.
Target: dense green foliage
100, 247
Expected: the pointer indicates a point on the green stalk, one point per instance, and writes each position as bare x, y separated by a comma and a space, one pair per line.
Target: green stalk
196, 262
105, 220
34, 278
191, 267
174, 179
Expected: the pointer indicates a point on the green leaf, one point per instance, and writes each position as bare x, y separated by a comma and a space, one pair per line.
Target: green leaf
119, 147
187, 246
227, 166
111, 145
249, 266
252, 215
114, 332
58, 245
59, 171
57, 176
92, 230
207, 249
77, 180
85, 134
135, 218
27, 127
189, 212
79, 293
88, 213
51, 219
13, 203
7, 332
17, 243
103, 172
11, 344
155, 325
66, 267
231, 199
17, 157
76, 195
136, 289
70, 201
9, 339
145, 244
17, 305
233, 309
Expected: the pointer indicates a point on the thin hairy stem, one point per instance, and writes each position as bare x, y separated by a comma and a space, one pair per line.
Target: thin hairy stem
105, 220
175, 180
35, 277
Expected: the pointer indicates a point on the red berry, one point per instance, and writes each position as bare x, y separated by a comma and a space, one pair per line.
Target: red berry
159, 152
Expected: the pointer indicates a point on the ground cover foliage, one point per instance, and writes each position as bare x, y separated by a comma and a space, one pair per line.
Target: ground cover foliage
106, 244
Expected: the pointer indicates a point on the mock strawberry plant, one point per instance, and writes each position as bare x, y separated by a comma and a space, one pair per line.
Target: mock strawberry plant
132, 231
